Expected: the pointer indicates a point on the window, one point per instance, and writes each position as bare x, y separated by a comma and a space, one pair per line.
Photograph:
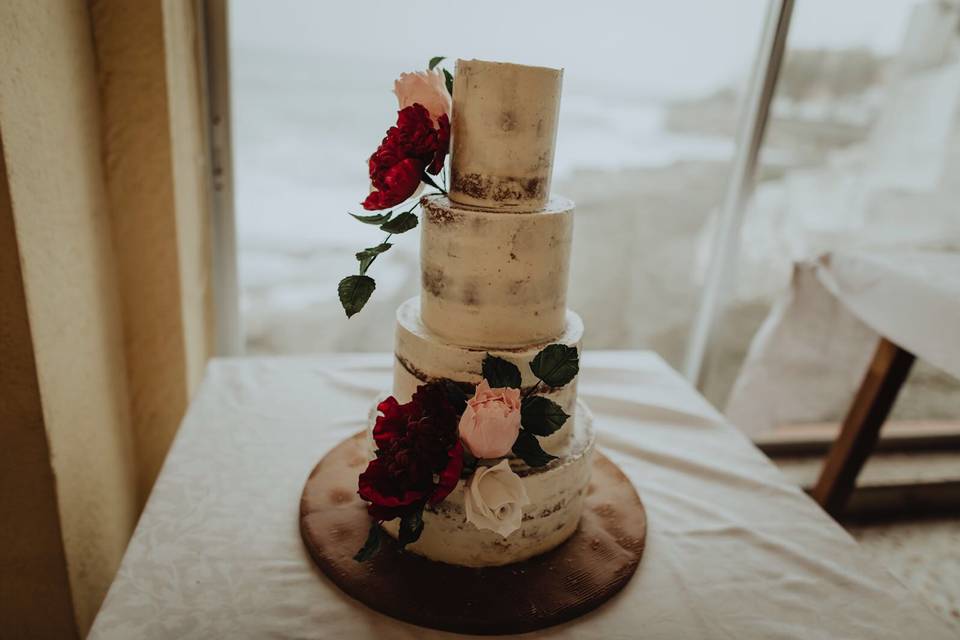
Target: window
645, 140
860, 153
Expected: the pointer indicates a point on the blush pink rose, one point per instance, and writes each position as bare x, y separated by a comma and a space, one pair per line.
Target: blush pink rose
424, 87
490, 423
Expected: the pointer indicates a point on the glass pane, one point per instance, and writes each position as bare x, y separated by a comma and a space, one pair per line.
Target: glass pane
861, 154
645, 139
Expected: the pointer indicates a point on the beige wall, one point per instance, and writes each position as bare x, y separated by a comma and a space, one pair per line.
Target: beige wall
102, 133
32, 559
154, 159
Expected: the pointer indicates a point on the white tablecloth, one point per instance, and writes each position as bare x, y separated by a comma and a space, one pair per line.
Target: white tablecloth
809, 356
733, 550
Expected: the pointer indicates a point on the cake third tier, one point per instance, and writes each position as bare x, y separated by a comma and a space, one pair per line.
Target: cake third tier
422, 356
492, 279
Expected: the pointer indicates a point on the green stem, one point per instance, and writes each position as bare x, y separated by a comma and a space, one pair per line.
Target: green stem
532, 390
390, 235
430, 181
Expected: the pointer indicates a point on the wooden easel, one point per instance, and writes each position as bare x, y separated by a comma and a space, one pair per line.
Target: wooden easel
861, 428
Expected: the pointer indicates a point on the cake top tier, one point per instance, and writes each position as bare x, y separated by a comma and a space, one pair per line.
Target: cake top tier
504, 135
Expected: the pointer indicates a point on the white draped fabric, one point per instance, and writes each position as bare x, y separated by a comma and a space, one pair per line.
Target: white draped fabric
809, 356
733, 549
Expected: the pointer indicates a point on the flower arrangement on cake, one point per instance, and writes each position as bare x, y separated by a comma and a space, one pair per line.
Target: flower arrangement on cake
412, 151
424, 447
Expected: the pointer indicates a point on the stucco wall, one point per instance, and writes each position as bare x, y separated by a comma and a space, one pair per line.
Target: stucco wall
49, 125
32, 559
154, 161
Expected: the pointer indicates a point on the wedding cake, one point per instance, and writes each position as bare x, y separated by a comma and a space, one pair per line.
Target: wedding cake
482, 454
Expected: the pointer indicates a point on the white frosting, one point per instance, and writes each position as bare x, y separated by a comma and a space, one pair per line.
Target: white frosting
504, 134
421, 356
494, 279
555, 493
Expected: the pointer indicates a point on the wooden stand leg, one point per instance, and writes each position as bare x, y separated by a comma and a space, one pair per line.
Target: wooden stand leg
861, 427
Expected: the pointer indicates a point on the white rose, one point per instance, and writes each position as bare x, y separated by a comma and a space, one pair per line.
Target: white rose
495, 498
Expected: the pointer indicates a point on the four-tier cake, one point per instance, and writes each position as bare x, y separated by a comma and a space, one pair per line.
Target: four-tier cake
492, 323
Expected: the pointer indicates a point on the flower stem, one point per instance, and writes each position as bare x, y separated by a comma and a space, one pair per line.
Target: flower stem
532, 390
430, 181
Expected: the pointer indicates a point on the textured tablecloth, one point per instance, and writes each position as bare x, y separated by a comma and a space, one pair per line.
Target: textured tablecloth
733, 550
808, 358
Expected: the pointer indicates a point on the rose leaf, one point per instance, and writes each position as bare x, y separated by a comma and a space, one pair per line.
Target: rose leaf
529, 449
541, 416
500, 373
402, 223
354, 291
372, 544
449, 78
368, 255
377, 218
556, 365
411, 526
434, 61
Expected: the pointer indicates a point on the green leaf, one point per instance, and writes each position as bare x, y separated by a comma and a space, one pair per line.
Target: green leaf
434, 61
541, 416
368, 255
401, 224
449, 78
377, 218
372, 545
500, 373
528, 448
556, 365
430, 181
354, 291
411, 526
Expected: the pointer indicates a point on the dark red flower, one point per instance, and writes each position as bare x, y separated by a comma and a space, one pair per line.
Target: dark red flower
396, 183
410, 147
443, 144
419, 455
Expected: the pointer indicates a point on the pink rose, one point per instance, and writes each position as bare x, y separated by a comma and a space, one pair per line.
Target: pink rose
424, 87
490, 423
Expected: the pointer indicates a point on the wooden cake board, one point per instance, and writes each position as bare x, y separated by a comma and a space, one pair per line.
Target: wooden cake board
576, 577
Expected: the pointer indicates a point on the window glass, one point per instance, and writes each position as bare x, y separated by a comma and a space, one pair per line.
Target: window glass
645, 140
862, 153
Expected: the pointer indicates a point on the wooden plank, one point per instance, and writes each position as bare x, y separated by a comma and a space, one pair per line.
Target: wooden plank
815, 438
886, 374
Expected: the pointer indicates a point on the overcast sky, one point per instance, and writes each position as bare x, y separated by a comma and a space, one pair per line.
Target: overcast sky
675, 47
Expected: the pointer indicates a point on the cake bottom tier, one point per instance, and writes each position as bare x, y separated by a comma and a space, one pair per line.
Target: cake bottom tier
556, 493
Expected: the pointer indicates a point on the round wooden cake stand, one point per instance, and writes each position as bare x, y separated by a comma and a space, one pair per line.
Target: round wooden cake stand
576, 577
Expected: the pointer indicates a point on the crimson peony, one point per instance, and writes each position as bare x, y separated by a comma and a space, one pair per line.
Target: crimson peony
419, 455
409, 149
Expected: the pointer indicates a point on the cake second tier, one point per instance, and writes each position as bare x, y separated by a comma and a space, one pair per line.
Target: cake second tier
495, 279
422, 356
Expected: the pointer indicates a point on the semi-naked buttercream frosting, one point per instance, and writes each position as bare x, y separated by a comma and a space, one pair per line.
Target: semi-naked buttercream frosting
504, 134
493, 279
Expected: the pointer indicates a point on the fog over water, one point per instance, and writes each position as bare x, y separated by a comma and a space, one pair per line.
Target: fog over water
312, 83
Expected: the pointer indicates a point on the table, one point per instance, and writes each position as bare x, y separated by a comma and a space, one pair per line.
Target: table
733, 550
846, 313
